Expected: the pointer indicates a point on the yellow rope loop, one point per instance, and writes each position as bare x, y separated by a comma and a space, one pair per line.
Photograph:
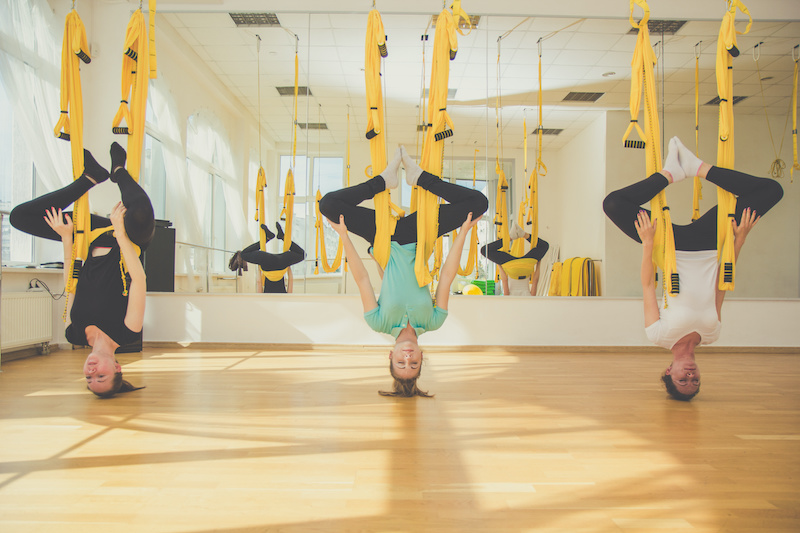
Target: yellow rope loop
458, 15
136, 72
796, 165
320, 244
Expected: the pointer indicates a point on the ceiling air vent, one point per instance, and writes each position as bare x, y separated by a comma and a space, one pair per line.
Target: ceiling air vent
474, 20
715, 100
582, 97
255, 19
289, 91
548, 131
312, 125
666, 27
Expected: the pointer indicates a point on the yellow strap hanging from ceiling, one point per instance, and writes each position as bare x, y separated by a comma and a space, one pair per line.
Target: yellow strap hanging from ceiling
136, 73
697, 190
320, 243
726, 202
74, 49
440, 127
287, 213
472, 256
642, 77
796, 165
375, 49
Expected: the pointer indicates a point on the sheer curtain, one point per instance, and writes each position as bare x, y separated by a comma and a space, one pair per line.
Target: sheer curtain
30, 66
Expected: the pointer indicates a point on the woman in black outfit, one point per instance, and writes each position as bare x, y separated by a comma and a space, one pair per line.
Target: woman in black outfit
269, 262
107, 310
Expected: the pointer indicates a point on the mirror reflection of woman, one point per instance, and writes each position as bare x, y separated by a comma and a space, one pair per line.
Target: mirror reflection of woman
692, 317
269, 262
102, 313
404, 309
519, 275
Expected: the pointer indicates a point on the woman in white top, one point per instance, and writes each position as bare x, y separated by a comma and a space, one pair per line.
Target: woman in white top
692, 317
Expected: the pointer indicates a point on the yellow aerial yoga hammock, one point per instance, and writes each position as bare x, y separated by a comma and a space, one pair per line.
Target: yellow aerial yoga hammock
287, 213
726, 202
74, 49
138, 67
796, 165
374, 50
439, 127
472, 256
642, 65
320, 229
501, 218
697, 190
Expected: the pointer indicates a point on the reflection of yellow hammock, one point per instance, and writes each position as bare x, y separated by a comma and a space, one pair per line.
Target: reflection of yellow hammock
287, 213
726, 202
642, 77
472, 255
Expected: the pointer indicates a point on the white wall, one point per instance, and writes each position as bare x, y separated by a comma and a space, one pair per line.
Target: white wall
473, 321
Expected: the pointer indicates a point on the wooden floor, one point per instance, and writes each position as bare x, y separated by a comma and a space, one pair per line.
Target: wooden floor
250, 440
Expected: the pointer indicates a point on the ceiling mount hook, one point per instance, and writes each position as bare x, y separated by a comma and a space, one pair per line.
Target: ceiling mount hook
796, 49
697, 50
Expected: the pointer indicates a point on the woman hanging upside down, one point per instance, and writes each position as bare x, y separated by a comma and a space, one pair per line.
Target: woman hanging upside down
404, 310
100, 314
270, 262
693, 316
520, 275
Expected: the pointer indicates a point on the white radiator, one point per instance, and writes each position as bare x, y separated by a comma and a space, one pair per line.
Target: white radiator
26, 319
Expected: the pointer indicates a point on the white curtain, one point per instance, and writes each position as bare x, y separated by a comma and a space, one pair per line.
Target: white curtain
30, 66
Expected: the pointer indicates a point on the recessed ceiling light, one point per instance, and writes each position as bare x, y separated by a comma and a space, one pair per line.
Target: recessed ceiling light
609, 74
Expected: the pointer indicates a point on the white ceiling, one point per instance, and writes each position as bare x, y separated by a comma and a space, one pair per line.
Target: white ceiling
576, 55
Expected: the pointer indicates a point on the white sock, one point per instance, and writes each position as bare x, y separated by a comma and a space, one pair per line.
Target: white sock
389, 174
516, 232
672, 164
413, 170
689, 162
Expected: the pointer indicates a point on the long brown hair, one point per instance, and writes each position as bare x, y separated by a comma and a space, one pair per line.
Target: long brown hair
404, 387
118, 385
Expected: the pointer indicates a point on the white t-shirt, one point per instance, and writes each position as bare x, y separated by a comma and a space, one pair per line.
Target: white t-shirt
519, 287
694, 309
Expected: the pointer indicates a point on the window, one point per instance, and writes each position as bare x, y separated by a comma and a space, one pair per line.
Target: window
154, 180
17, 178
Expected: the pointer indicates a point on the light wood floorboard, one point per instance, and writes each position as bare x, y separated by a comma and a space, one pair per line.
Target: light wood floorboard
244, 440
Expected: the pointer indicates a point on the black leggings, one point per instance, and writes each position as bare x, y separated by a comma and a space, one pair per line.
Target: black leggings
759, 194
269, 262
492, 252
361, 220
139, 217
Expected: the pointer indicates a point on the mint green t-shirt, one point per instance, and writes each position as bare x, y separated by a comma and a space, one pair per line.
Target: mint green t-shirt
402, 300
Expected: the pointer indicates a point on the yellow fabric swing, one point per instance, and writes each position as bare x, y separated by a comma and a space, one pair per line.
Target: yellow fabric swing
697, 189
374, 50
74, 49
726, 201
796, 165
319, 224
472, 256
439, 127
287, 213
642, 77
138, 67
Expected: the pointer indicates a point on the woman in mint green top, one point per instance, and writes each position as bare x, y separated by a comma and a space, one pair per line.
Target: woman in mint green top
404, 310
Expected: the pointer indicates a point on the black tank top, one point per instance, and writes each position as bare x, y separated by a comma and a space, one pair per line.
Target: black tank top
98, 300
